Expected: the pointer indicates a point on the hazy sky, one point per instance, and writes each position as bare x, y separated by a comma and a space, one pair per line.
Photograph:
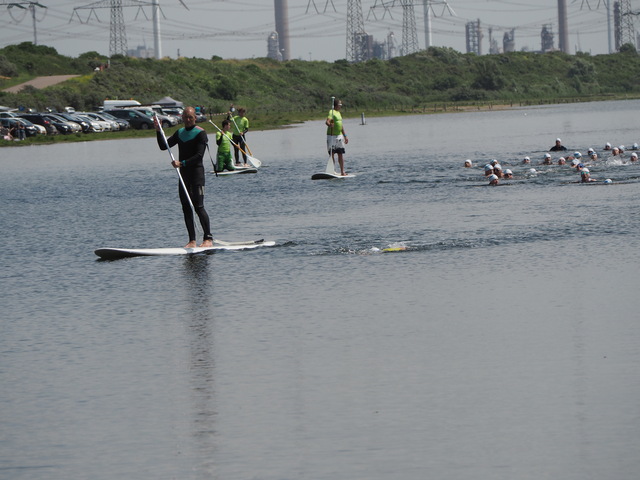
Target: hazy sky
239, 28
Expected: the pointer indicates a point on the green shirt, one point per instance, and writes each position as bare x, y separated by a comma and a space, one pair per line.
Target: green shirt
240, 125
225, 144
337, 123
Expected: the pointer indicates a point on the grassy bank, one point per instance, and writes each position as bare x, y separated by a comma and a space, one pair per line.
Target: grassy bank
282, 93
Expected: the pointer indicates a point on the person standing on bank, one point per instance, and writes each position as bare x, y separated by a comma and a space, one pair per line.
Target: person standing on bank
192, 142
336, 136
240, 128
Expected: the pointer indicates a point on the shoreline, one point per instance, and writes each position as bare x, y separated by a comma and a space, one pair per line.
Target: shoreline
434, 109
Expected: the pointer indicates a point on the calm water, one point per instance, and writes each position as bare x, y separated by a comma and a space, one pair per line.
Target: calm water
503, 344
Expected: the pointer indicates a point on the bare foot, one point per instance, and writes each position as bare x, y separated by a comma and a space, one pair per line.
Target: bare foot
207, 243
191, 244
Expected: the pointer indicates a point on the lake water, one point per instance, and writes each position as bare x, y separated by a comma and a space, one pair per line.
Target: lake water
503, 343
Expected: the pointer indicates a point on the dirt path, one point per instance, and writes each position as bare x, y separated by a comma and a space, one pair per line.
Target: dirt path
40, 82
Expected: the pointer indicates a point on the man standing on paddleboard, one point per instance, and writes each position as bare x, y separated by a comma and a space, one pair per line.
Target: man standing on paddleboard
192, 142
336, 138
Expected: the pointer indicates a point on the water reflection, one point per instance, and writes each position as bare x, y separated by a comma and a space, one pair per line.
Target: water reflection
200, 323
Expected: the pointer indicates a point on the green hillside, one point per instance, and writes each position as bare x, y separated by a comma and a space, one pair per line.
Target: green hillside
277, 93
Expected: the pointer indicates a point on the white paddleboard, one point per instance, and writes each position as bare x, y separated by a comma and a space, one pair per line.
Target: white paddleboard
238, 170
115, 253
330, 176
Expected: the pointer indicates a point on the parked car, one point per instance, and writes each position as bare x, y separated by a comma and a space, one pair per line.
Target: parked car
41, 130
86, 126
165, 120
137, 120
122, 123
11, 123
73, 126
109, 125
39, 119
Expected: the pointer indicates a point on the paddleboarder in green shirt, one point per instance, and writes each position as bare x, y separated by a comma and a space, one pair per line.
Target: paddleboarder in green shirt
336, 136
223, 140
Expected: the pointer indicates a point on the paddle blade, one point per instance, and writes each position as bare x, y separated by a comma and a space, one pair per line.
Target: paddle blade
254, 161
330, 169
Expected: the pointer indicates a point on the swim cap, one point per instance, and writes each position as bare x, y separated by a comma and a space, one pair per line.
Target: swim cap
584, 171
546, 155
508, 172
608, 180
487, 167
493, 176
577, 154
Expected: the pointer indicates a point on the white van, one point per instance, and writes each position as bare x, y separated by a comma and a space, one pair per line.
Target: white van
111, 104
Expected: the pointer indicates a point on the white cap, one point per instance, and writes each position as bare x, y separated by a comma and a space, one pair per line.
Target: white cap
494, 161
532, 170
547, 155
577, 154
607, 144
493, 176
558, 140
467, 162
608, 180
634, 155
488, 167
584, 171
635, 146
575, 162
508, 172
590, 150
497, 166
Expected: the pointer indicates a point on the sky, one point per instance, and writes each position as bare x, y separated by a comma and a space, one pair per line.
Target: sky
240, 28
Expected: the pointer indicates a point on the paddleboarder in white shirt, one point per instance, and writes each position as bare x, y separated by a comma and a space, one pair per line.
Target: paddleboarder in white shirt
336, 136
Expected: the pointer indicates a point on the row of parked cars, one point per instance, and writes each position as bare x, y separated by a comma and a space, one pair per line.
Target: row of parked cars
48, 123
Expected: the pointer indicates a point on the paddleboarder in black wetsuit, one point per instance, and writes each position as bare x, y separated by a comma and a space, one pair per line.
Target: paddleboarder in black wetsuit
192, 142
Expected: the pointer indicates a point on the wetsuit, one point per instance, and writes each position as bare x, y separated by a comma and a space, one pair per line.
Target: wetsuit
191, 145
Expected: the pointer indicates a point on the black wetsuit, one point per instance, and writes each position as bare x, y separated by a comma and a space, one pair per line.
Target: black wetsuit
191, 145
558, 148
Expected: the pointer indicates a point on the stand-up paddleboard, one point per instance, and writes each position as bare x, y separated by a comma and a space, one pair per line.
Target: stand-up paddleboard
115, 253
237, 171
330, 173
330, 176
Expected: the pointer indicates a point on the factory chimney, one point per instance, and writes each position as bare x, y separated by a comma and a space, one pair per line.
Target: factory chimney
563, 30
282, 27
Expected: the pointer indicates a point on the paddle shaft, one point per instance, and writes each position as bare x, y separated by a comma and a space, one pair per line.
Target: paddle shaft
331, 165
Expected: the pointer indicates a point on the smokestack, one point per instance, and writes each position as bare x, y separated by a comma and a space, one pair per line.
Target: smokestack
563, 30
282, 27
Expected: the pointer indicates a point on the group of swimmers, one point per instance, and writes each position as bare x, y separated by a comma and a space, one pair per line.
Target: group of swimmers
494, 173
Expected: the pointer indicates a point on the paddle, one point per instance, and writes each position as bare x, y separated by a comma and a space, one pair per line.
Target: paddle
331, 166
164, 138
253, 161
